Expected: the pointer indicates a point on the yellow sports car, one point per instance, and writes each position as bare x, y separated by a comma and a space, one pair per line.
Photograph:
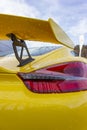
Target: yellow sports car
41, 88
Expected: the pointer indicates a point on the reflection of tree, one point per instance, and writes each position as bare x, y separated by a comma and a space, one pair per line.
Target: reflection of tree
83, 52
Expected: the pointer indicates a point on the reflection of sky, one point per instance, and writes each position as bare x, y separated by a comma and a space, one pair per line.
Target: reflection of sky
35, 49
71, 15
5, 47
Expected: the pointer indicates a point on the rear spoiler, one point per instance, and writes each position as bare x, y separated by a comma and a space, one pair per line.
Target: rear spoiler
60, 35
33, 29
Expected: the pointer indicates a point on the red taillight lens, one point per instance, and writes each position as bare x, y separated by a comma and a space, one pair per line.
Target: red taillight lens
66, 77
72, 68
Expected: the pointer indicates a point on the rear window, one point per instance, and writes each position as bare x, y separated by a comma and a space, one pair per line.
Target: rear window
35, 48
5, 48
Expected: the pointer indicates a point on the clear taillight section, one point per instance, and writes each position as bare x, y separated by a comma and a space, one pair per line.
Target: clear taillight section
60, 78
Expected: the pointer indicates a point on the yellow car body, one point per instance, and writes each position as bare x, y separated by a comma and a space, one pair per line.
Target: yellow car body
22, 109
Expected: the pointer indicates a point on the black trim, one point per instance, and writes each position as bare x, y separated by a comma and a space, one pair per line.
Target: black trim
21, 43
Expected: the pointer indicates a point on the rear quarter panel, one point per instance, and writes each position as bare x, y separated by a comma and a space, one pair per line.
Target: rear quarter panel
22, 109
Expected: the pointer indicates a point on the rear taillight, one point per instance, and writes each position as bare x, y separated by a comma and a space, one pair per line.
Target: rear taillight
65, 77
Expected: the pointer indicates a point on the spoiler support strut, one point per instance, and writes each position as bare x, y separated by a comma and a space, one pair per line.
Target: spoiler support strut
20, 43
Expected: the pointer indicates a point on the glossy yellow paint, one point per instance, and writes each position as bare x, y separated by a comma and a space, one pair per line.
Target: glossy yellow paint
33, 29
22, 109
63, 54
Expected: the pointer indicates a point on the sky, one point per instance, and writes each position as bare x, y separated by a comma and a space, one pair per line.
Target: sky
71, 15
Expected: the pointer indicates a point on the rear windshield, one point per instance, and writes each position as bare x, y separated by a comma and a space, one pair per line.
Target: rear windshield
35, 48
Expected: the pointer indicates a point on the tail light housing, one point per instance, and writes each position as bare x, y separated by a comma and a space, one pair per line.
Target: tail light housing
60, 78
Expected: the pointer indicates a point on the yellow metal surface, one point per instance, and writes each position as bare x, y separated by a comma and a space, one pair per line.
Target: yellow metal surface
33, 29
60, 35
22, 109
63, 54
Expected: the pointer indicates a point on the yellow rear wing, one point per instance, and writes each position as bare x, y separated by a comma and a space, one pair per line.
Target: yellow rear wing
33, 29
